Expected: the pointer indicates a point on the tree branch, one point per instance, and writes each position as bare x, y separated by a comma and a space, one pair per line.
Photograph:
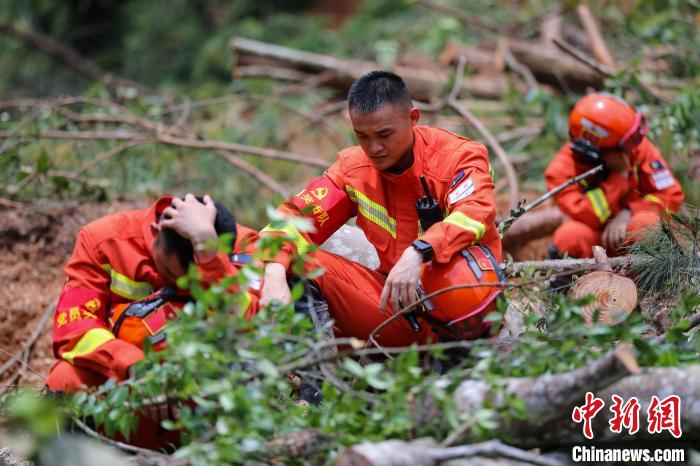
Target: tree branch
69, 57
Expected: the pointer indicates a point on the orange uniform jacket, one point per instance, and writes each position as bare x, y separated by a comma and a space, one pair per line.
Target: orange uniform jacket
112, 264
458, 173
650, 186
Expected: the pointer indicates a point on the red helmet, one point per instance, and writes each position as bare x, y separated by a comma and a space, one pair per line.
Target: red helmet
605, 121
459, 313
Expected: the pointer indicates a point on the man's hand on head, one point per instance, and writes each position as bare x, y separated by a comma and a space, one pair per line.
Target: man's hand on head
191, 219
401, 283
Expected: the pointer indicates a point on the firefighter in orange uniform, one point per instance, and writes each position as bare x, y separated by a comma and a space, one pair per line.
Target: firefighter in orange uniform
379, 182
635, 188
123, 258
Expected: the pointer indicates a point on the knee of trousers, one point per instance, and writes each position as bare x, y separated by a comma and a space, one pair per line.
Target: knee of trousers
67, 378
576, 239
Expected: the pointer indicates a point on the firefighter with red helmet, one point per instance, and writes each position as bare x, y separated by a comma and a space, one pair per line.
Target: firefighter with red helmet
629, 195
421, 195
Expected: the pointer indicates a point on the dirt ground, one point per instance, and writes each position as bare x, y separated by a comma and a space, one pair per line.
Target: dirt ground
35, 243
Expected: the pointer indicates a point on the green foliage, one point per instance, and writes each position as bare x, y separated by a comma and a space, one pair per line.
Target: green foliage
668, 256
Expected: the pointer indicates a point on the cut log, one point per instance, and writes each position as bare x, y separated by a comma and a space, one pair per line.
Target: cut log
616, 295
424, 84
546, 62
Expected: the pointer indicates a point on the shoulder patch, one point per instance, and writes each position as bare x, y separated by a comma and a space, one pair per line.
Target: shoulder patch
656, 165
458, 177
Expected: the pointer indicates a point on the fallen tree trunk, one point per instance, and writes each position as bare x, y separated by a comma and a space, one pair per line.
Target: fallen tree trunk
545, 61
532, 225
550, 400
424, 84
427, 453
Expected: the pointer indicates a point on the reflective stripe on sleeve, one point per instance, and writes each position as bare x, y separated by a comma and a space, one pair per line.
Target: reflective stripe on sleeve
125, 287
372, 211
88, 343
654, 199
599, 203
463, 221
292, 233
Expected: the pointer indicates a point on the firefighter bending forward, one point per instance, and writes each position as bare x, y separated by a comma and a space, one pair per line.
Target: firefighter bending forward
636, 186
378, 182
123, 258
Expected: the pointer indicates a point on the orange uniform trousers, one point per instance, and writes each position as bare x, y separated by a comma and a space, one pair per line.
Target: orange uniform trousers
353, 293
67, 378
577, 238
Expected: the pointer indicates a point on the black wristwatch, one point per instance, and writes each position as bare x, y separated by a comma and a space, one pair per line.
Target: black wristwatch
424, 248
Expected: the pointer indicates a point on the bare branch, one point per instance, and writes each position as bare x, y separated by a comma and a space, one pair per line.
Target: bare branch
258, 174
495, 146
68, 57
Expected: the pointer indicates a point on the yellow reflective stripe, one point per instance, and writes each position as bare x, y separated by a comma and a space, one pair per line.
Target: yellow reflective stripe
599, 203
654, 199
88, 343
462, 221
245, 301
126, 287
372, 211
293, 234
492, 173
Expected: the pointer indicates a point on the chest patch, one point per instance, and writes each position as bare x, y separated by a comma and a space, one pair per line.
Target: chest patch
464, 189
662, 179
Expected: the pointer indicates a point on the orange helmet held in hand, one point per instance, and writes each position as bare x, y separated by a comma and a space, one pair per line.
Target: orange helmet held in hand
458, 314
146, 319
603, 122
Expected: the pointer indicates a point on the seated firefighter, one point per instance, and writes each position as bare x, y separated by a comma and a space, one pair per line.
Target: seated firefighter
615, 206
124, 258
388, 182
